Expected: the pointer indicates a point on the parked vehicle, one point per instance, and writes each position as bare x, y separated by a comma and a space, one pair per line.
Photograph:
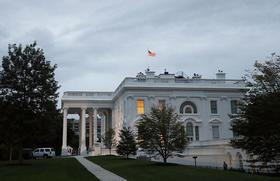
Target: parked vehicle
43, 153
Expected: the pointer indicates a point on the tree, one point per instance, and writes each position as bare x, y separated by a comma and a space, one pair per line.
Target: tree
127, 144
108, 139
28, 85
257, 123
8, 126
160, 132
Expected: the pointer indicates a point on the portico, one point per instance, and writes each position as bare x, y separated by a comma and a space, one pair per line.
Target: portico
83, 108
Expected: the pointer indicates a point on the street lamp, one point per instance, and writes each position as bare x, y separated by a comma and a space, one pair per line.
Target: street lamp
195, 157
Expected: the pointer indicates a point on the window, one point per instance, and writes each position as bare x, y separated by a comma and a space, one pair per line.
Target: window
41, 150
140, 106
189, 131
196, 133
233, 104
161, 104
37, 150
215, 130
47, 150
188, 107
213, 105
188, 110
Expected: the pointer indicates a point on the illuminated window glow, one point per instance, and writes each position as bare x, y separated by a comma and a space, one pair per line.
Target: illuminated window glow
161, 104
140, 106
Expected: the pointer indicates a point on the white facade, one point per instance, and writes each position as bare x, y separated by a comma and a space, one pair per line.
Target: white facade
203, 104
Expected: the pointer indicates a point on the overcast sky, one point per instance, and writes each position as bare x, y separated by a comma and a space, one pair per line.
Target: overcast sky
97, 43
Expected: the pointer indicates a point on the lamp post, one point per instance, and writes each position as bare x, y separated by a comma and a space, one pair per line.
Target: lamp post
195, 157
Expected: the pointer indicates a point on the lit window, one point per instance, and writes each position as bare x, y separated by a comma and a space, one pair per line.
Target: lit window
161, 139
213, 105
140, 106
161, 104
215, 130
196, 133
233, 104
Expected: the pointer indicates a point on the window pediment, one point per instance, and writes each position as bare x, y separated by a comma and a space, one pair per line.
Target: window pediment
215, 121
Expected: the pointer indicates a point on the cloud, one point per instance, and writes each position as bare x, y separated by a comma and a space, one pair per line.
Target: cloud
98, 43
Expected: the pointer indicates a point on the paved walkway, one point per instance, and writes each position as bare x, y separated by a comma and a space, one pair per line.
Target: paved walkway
99, 172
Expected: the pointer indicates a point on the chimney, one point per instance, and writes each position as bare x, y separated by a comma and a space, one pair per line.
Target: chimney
196, 76
150, 74
220, 75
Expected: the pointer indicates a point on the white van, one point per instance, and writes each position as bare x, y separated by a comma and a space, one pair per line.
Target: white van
43, 153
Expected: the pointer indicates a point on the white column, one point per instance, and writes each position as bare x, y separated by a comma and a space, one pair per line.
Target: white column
83, 149
95, 125
102, 128
64, 134
80, 136
90, 131
103, 124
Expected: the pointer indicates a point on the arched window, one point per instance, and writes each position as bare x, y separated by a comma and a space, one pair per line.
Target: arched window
229, 160
188, 107
239, 161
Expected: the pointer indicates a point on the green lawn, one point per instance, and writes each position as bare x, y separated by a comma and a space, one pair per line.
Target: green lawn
67, 169
146, 170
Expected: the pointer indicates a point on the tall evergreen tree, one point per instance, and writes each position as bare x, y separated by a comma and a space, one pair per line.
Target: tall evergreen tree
30, 88
160, 132
258, 121
127, 144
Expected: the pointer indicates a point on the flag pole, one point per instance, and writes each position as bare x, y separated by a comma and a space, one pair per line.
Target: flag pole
148, 63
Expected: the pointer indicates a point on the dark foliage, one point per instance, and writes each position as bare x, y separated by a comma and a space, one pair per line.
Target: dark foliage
127, 144
28, 98
108, 139
257, 124
160, 132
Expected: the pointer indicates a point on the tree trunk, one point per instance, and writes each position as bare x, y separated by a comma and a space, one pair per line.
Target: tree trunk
20, 154
164, 160
11, 152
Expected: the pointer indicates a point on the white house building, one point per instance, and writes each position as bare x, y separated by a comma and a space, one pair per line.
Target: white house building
204, 106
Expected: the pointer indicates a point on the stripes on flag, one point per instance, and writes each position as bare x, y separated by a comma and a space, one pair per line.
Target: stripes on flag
151, 53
